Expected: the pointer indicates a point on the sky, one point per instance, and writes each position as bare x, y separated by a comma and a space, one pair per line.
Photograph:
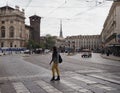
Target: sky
79, 17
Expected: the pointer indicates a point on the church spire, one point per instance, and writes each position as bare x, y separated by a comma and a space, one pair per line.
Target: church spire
61, 34
7, 3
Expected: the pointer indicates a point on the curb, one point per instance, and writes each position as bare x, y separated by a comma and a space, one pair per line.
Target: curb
110, 58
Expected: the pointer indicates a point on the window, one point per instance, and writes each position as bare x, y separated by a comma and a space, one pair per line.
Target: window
2, 44
20, 32
11, 29
21, 35
11, 44
11, 21
33, 19
3, 22
2, 31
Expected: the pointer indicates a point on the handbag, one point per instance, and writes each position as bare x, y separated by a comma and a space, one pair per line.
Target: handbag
60, 59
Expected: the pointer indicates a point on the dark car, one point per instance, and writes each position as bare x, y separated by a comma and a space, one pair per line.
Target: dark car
86, 53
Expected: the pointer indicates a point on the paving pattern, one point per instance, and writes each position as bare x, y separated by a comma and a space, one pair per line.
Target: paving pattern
89, 76
77, 83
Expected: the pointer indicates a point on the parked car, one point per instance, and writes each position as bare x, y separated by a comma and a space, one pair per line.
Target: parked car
1, 54
86, 53
27, 51
46, 51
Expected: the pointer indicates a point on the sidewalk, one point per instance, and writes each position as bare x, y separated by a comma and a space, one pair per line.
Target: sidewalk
111, 57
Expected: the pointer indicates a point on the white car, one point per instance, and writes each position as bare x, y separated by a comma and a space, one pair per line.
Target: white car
27, 51
1, 54
47, 51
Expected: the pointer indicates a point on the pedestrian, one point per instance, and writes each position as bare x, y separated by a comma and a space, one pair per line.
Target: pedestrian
55, 63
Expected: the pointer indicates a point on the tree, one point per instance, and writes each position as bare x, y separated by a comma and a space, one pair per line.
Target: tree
32, 44
49, 41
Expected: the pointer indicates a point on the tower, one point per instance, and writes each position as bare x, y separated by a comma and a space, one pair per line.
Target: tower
61, 34
35, 31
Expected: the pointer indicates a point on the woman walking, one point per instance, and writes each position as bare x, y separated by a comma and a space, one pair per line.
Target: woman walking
55, 63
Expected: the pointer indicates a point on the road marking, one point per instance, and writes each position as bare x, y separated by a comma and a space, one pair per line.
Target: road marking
3, 78
90, 71
19, 77
47, 87
75, 87
105, 78
84, 80
94, 84
104, 87
20, 88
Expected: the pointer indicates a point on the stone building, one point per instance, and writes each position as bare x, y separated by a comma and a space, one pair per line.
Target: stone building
35, 25
79, 42
110, 34
13, 31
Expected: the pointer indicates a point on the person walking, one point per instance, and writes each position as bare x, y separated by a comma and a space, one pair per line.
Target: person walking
55, 63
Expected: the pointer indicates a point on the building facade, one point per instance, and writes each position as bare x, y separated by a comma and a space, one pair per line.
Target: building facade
79, 42
110, 34
13, 32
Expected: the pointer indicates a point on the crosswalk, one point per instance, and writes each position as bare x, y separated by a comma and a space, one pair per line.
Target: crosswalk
75, 87
84, 80
48, 87
116, 80
20, 88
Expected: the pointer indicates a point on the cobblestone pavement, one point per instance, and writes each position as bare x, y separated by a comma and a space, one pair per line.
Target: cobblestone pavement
91, 80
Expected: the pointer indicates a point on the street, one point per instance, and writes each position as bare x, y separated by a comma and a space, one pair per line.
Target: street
21, 73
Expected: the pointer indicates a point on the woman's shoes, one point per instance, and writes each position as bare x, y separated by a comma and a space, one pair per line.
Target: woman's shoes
53, 78
58, 78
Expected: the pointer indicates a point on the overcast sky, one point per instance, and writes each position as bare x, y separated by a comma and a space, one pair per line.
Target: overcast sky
79, 17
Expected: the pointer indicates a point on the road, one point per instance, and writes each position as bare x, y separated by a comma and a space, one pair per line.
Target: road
32, 73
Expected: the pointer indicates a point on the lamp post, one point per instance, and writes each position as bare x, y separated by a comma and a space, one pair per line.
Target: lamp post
73, 43
68, 47
30, 50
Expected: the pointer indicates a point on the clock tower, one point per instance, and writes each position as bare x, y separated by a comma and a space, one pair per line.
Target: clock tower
35, 28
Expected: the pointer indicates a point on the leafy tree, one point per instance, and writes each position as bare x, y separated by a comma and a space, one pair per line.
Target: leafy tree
42, 44
32, 44
49, 41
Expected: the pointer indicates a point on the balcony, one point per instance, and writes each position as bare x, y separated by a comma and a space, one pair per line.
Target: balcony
112, 36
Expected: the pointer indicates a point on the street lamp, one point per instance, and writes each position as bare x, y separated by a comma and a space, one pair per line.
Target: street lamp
30, 49
68, 47
73, 43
